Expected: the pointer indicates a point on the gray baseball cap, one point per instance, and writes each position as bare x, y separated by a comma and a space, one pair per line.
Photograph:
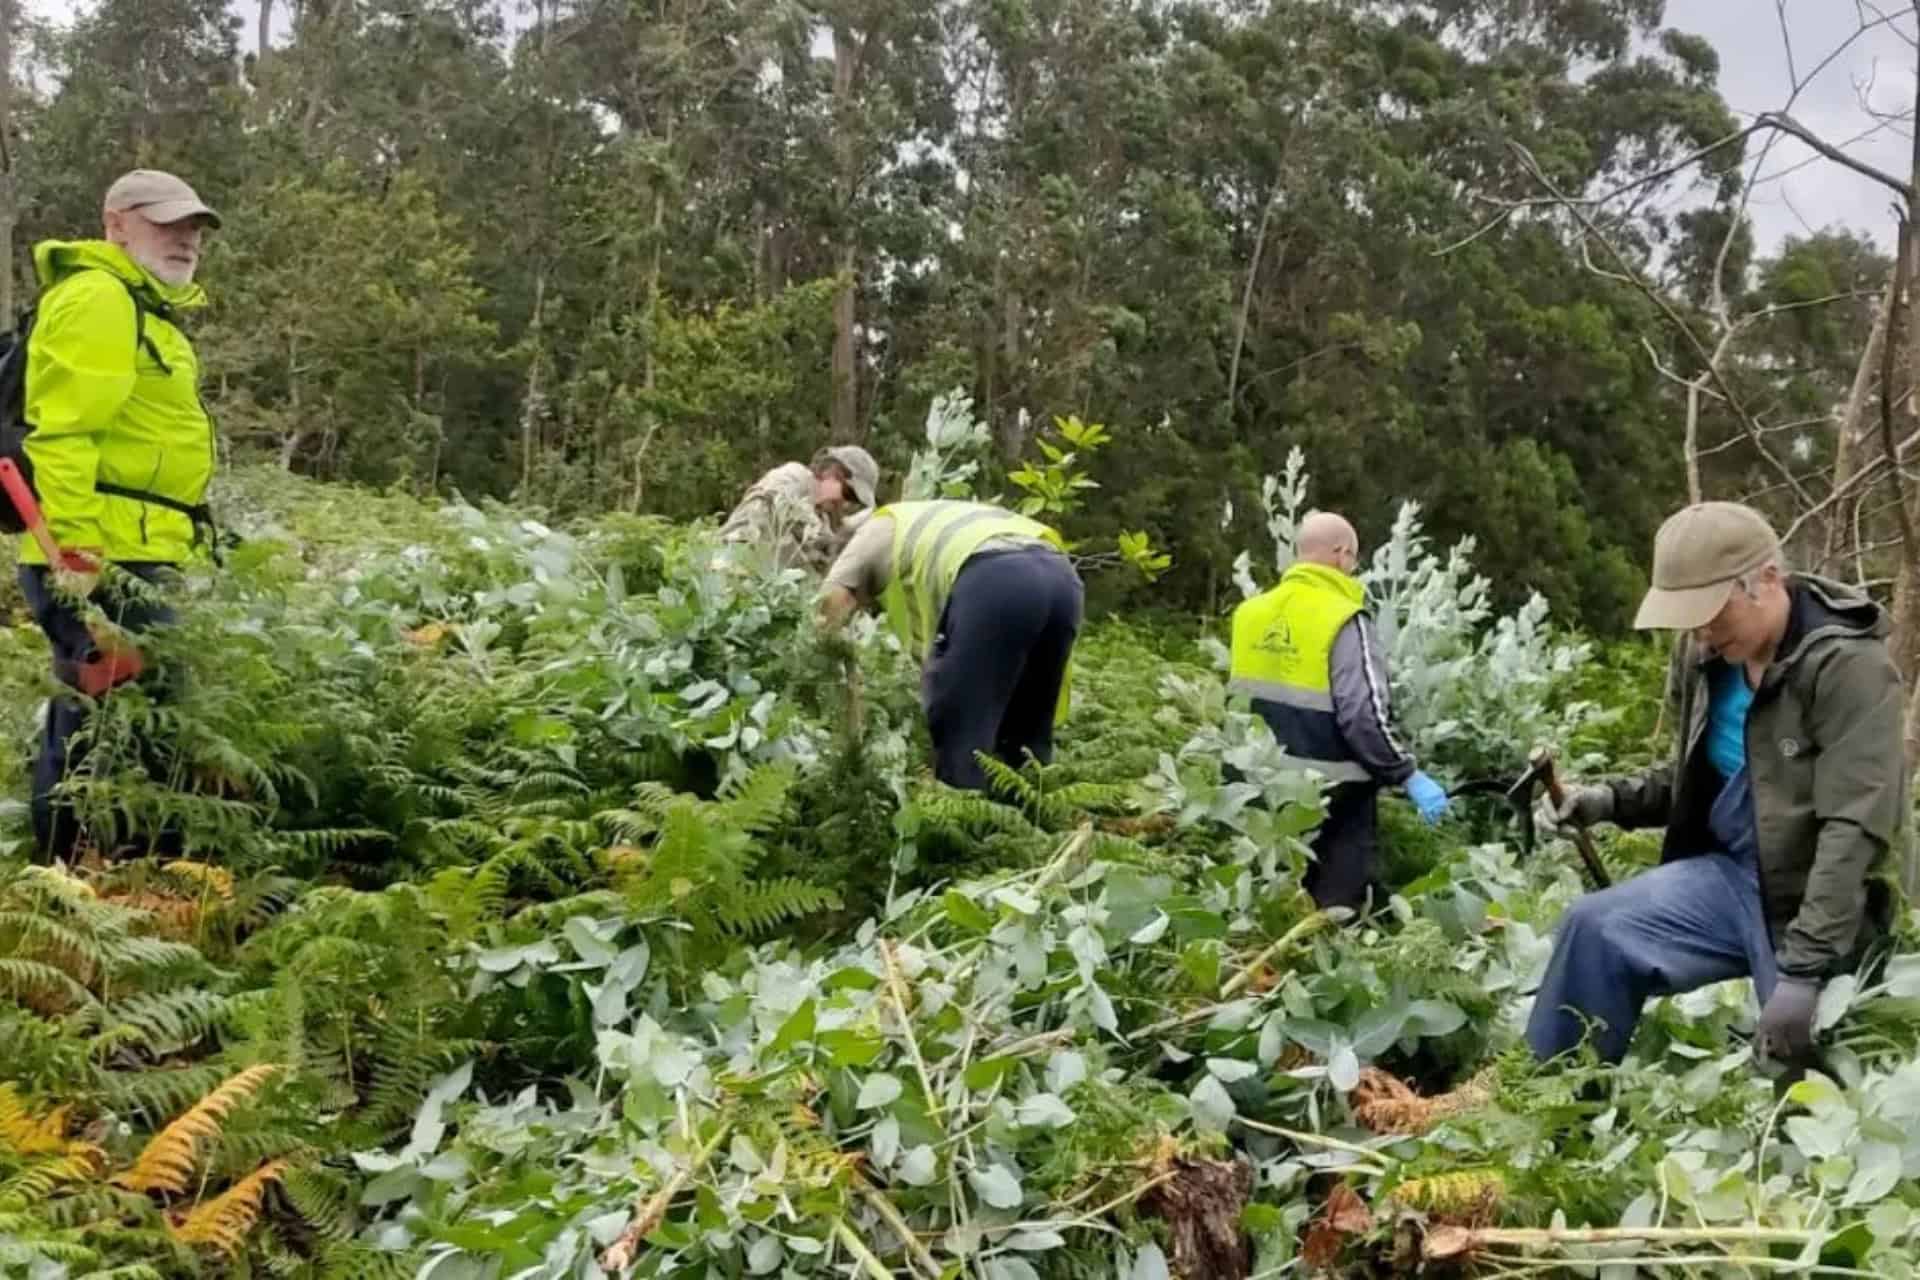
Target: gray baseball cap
1697, 556
861, 466
157, 197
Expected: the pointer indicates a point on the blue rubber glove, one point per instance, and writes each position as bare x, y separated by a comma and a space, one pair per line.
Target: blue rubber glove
1428, 797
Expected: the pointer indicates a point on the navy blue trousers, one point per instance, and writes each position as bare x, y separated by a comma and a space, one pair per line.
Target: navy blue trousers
992, 681
55, 827
1681, 926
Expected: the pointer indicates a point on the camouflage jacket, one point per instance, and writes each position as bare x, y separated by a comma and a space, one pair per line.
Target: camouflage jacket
777, 513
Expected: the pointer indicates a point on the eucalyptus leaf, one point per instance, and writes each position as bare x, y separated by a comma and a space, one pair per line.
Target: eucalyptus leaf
878, 1090
1212, 1108
919, 1166
995, 1185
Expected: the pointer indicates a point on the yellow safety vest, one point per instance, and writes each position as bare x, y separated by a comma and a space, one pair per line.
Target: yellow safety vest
1282, 658
931, 544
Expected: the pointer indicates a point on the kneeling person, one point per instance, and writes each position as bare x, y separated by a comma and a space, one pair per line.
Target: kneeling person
1782, 798
992, 606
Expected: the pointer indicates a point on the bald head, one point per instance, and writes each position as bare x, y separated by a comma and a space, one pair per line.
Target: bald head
1326, 538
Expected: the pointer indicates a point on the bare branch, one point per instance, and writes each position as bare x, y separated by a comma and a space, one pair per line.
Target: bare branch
1659, 299
1863, 7
1793, 128
1499, 220
1786, 41
1807, 162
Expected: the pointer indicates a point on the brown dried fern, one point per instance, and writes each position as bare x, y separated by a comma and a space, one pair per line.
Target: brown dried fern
26, 1134
167, 1163
1383, 1103
223, 1222
216, 880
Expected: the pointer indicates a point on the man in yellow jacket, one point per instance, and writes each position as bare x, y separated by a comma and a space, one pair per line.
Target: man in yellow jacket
1306, 654
989, 602
118, 444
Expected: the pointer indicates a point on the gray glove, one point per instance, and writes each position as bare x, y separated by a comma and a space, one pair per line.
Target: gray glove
1583, 807
1785, 1033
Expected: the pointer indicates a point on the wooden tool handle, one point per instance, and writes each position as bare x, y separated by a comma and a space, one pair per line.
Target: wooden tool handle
21, 496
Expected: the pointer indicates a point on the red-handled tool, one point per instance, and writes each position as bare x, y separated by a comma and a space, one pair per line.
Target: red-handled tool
114, 660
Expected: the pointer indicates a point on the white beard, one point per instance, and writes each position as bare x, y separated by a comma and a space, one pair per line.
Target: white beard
168, 273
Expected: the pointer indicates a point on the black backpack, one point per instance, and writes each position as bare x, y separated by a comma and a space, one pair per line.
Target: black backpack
14, 427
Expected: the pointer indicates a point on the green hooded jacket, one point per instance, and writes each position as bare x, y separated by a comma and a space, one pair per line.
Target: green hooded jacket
1828, 765
104, 409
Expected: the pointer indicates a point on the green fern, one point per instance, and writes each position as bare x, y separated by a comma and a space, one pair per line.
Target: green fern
160, 1023
757, 909
324, 1201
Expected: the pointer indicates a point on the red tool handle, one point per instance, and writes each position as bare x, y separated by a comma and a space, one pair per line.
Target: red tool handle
116, 661
21, 496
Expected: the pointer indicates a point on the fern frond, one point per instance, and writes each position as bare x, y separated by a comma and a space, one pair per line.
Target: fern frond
168, 914
164, 1022
1006, 782
38, 1180
972, 814
323, 1200
759, 802
1471, 1193
18, 1257
157, 1094
215, 880
364, 1262
327, 842
223, 1222
167, 1162
1094, 797
26, 1134
762, 906
41, 987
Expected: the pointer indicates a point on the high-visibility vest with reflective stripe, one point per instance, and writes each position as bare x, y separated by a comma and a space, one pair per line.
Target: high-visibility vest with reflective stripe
1282, 660
931, 544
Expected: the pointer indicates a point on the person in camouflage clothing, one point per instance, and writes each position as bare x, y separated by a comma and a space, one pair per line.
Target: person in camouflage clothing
795, 509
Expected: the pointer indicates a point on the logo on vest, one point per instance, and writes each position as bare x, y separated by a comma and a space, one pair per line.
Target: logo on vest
1278, 639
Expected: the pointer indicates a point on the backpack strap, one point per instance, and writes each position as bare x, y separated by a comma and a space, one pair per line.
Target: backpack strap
140, 338
205, 530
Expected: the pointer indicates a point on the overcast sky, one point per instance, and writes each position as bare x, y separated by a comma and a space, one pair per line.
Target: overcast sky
1873, 71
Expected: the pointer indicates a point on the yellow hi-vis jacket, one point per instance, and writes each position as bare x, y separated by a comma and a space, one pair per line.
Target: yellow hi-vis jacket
931, 544
1284, 658
114, 400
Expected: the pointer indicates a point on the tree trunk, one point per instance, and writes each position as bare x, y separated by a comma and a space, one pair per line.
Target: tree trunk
262, 47
1246, 302
846, 391
1906, 597
1852, 435
290, 447
9, 12
530, 406
655, 260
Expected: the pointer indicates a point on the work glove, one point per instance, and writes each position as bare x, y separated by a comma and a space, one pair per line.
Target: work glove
1582, 807
76, 574
1785, 1034
1427, 796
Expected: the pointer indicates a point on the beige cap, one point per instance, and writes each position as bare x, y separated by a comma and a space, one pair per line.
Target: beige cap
158, 197
861, 466
1697, 555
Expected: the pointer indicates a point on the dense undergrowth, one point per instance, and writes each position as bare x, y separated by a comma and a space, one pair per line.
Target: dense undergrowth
512, 902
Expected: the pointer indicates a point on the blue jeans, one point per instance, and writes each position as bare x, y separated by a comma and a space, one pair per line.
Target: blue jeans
1684, 925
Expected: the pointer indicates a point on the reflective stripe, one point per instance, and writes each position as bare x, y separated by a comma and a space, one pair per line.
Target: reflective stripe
1286, 695
947, 534
1337, 770
1377, 693
911, 543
